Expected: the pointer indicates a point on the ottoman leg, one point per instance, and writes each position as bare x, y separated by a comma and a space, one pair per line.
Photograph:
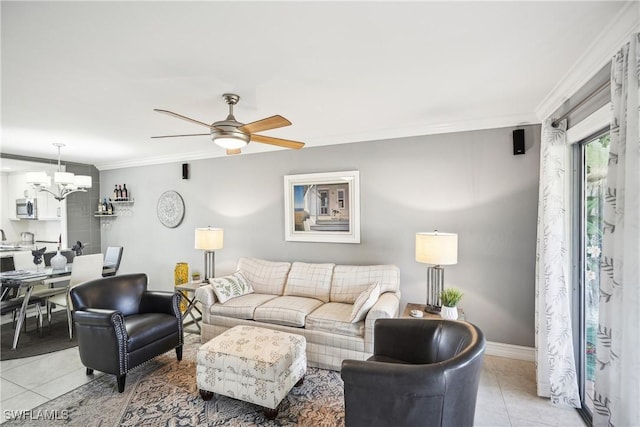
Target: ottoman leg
205, 394
300, 382
271, 414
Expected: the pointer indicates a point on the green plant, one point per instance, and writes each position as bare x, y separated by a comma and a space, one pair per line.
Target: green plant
450, 297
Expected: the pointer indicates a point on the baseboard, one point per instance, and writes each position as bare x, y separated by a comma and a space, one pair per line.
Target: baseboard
511, 351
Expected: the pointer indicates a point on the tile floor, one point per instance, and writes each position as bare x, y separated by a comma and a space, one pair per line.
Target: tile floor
507, 394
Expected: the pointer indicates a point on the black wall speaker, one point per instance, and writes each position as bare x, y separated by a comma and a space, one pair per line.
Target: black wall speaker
518, 141
185, 171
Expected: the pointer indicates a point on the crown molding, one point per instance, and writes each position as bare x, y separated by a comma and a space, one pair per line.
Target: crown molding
159, 160
497, 122
610, 39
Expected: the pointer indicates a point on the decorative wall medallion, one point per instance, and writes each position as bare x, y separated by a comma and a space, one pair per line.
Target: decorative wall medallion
170, 209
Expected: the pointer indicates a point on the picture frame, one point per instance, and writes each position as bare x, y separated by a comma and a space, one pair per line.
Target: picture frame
322, 207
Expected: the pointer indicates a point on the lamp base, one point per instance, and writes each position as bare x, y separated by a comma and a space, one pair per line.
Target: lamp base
433, 309
209, 266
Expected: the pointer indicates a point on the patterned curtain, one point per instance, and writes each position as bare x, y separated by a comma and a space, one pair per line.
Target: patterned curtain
617, 383
555, 363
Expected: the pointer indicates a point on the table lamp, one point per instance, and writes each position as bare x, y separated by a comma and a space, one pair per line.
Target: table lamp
437, 249
209, 239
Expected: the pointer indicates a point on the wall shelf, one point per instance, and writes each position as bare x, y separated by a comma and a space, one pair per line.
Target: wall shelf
120, 208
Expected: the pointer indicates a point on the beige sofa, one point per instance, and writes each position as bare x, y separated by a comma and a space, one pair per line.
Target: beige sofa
313, 300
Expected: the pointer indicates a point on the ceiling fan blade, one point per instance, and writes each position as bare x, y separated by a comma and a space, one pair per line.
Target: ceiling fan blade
287, 143
233, 151
176, 136
272, 122
180, 116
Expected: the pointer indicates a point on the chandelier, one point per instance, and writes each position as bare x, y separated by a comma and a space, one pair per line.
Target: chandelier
67, 182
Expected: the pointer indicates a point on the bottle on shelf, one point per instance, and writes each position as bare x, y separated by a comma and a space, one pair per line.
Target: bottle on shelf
99, 207
125, 192
104, 206
115, 193
119, 193
110, 208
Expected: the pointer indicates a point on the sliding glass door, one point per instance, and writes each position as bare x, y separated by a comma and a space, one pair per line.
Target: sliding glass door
592, 172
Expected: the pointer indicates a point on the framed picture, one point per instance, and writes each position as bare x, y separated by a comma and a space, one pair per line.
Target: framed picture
322, 207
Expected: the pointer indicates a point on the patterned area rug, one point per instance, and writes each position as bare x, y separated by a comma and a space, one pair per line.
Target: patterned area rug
163, 392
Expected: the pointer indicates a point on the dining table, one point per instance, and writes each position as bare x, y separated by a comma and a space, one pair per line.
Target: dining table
26, 280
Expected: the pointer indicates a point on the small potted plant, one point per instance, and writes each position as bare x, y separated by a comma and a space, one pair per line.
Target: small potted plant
450, 298
195, 277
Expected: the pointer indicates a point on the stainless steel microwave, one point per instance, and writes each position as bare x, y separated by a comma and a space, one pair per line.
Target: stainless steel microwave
26, 209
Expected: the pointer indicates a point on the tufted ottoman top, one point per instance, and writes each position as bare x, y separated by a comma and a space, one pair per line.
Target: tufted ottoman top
253, 352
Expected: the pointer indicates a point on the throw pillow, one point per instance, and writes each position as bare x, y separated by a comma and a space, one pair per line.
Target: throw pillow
232, 286
364, 302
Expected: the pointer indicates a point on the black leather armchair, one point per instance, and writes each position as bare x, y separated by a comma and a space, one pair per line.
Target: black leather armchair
422, 373
120, 324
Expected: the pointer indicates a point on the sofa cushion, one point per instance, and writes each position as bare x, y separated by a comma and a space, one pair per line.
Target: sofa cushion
364, 302
334, 318
231, 286
241, 307
310, 280
266, 277
350, 280
287, 310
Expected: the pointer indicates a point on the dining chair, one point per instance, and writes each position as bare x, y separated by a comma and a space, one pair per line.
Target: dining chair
85, 267
23, 260
112, 258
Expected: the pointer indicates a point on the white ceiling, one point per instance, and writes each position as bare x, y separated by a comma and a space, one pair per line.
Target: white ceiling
88, 74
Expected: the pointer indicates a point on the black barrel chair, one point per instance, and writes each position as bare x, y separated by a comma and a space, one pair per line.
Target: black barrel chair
120, 324
422, 373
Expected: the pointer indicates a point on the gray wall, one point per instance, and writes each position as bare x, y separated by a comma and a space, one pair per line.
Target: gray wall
81, 224
469, 183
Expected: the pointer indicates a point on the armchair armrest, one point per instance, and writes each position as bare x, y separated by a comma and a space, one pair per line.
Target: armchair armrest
386, 307
95, 317
161, 302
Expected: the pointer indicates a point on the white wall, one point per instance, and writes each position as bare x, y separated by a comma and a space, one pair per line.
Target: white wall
469, 183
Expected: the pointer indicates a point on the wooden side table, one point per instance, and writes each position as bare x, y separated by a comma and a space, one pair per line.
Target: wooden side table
413, 306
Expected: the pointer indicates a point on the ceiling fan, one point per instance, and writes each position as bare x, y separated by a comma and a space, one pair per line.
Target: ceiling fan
233, 135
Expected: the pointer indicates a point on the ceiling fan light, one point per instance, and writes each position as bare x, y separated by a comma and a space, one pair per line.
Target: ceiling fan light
230, 142
228, 137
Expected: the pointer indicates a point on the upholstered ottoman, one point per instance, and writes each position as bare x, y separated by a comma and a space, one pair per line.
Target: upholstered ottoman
253, 364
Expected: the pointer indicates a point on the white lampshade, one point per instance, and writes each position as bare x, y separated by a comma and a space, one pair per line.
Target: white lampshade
437, 248
63, 178
209, 239
82, 181
38, 178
